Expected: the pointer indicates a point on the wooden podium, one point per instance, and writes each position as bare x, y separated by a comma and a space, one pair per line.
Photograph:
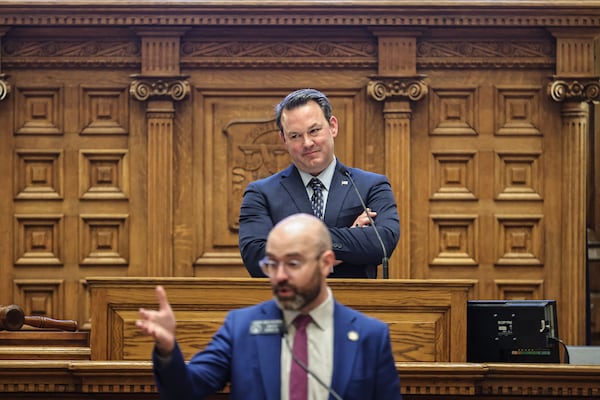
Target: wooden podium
427, 318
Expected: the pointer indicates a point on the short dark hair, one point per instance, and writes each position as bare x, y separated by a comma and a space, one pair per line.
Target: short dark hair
299, 98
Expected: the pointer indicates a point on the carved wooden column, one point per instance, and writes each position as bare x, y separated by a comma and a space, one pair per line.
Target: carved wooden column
397, 84
160, 85
4, 86
575, 83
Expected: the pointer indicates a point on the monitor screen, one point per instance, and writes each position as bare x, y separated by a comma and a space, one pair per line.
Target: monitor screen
512, 331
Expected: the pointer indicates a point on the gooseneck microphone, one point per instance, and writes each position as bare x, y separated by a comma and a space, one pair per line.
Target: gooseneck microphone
283, 332
384, 260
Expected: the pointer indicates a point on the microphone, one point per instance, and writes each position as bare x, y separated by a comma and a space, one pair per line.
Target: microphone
284, 335
384, 260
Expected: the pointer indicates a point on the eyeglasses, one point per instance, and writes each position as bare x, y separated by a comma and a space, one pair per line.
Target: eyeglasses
270, 266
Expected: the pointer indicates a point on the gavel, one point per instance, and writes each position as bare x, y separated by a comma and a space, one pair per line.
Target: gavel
12, 318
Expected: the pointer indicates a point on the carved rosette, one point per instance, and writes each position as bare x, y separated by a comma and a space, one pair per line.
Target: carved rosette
4, 87
413, 88
156, 88
574, 90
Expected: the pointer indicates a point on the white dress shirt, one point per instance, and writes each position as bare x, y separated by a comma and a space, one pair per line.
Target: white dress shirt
320, 349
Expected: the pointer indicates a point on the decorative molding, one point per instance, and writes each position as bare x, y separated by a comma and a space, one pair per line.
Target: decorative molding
150, 87
291, 14
577, 90
467, 53
57, 52
407, 88
315, 53
331, 52
4, 86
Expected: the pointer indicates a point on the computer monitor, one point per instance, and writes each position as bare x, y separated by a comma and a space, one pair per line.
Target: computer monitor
512, 331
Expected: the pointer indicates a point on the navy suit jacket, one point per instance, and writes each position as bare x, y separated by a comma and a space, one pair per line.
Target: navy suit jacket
269, 200
363, 369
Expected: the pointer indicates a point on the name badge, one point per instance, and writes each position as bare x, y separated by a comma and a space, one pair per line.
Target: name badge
266, 327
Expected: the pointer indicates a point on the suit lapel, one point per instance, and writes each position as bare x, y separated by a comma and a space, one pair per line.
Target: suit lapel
292, 183
336, 196
346, 340
268, 348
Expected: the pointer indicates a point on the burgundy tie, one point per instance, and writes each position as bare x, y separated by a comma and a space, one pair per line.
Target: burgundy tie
298, 376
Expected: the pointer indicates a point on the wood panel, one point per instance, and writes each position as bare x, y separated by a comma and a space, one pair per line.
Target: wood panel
123, 131
427, 319
120, 380
44, 345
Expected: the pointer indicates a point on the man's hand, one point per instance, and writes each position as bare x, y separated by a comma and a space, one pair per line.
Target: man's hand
363, 219
159, 324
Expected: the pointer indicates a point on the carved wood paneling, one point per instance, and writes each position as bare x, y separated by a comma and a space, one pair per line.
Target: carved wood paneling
465, 129
43, 297
39, 174
39, 111
454, 176
104, 111
519, 289
453, 111
39, 240
104, 174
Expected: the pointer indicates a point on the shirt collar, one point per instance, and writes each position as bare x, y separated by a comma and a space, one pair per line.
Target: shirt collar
325, 176
322, 315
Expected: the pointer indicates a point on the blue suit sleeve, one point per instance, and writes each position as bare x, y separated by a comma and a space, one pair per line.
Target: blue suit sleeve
360, 245
255, 225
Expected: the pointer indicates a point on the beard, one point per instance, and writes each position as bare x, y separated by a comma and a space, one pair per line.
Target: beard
298, 298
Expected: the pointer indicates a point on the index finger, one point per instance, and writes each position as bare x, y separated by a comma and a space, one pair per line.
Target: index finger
161, 295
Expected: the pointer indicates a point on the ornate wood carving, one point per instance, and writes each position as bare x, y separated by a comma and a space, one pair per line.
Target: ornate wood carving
156, 88
4, 86
574, 90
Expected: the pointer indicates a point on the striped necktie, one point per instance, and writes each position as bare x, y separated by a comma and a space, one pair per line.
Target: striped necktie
317, 197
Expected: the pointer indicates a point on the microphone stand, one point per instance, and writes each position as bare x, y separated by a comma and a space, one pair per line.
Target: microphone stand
284, 336
384, 260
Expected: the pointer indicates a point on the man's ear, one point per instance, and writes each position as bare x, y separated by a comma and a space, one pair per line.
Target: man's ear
327, 262
333, 124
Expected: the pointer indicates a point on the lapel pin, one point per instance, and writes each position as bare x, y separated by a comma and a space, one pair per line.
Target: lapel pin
353, 336
344, 182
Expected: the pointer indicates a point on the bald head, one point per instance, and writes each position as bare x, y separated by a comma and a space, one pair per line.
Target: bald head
304, 228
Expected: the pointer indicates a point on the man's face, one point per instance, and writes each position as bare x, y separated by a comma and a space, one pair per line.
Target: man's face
308, 137
299, 280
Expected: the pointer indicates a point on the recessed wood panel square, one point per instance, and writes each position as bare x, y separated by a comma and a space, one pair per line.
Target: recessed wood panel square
519, 289
452, 240
39, 174
518, 176
39, 111
104, 240
38, 239
41, 297
454, 176
519, 240
517, 111
453, 111
104, 111
104, 174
